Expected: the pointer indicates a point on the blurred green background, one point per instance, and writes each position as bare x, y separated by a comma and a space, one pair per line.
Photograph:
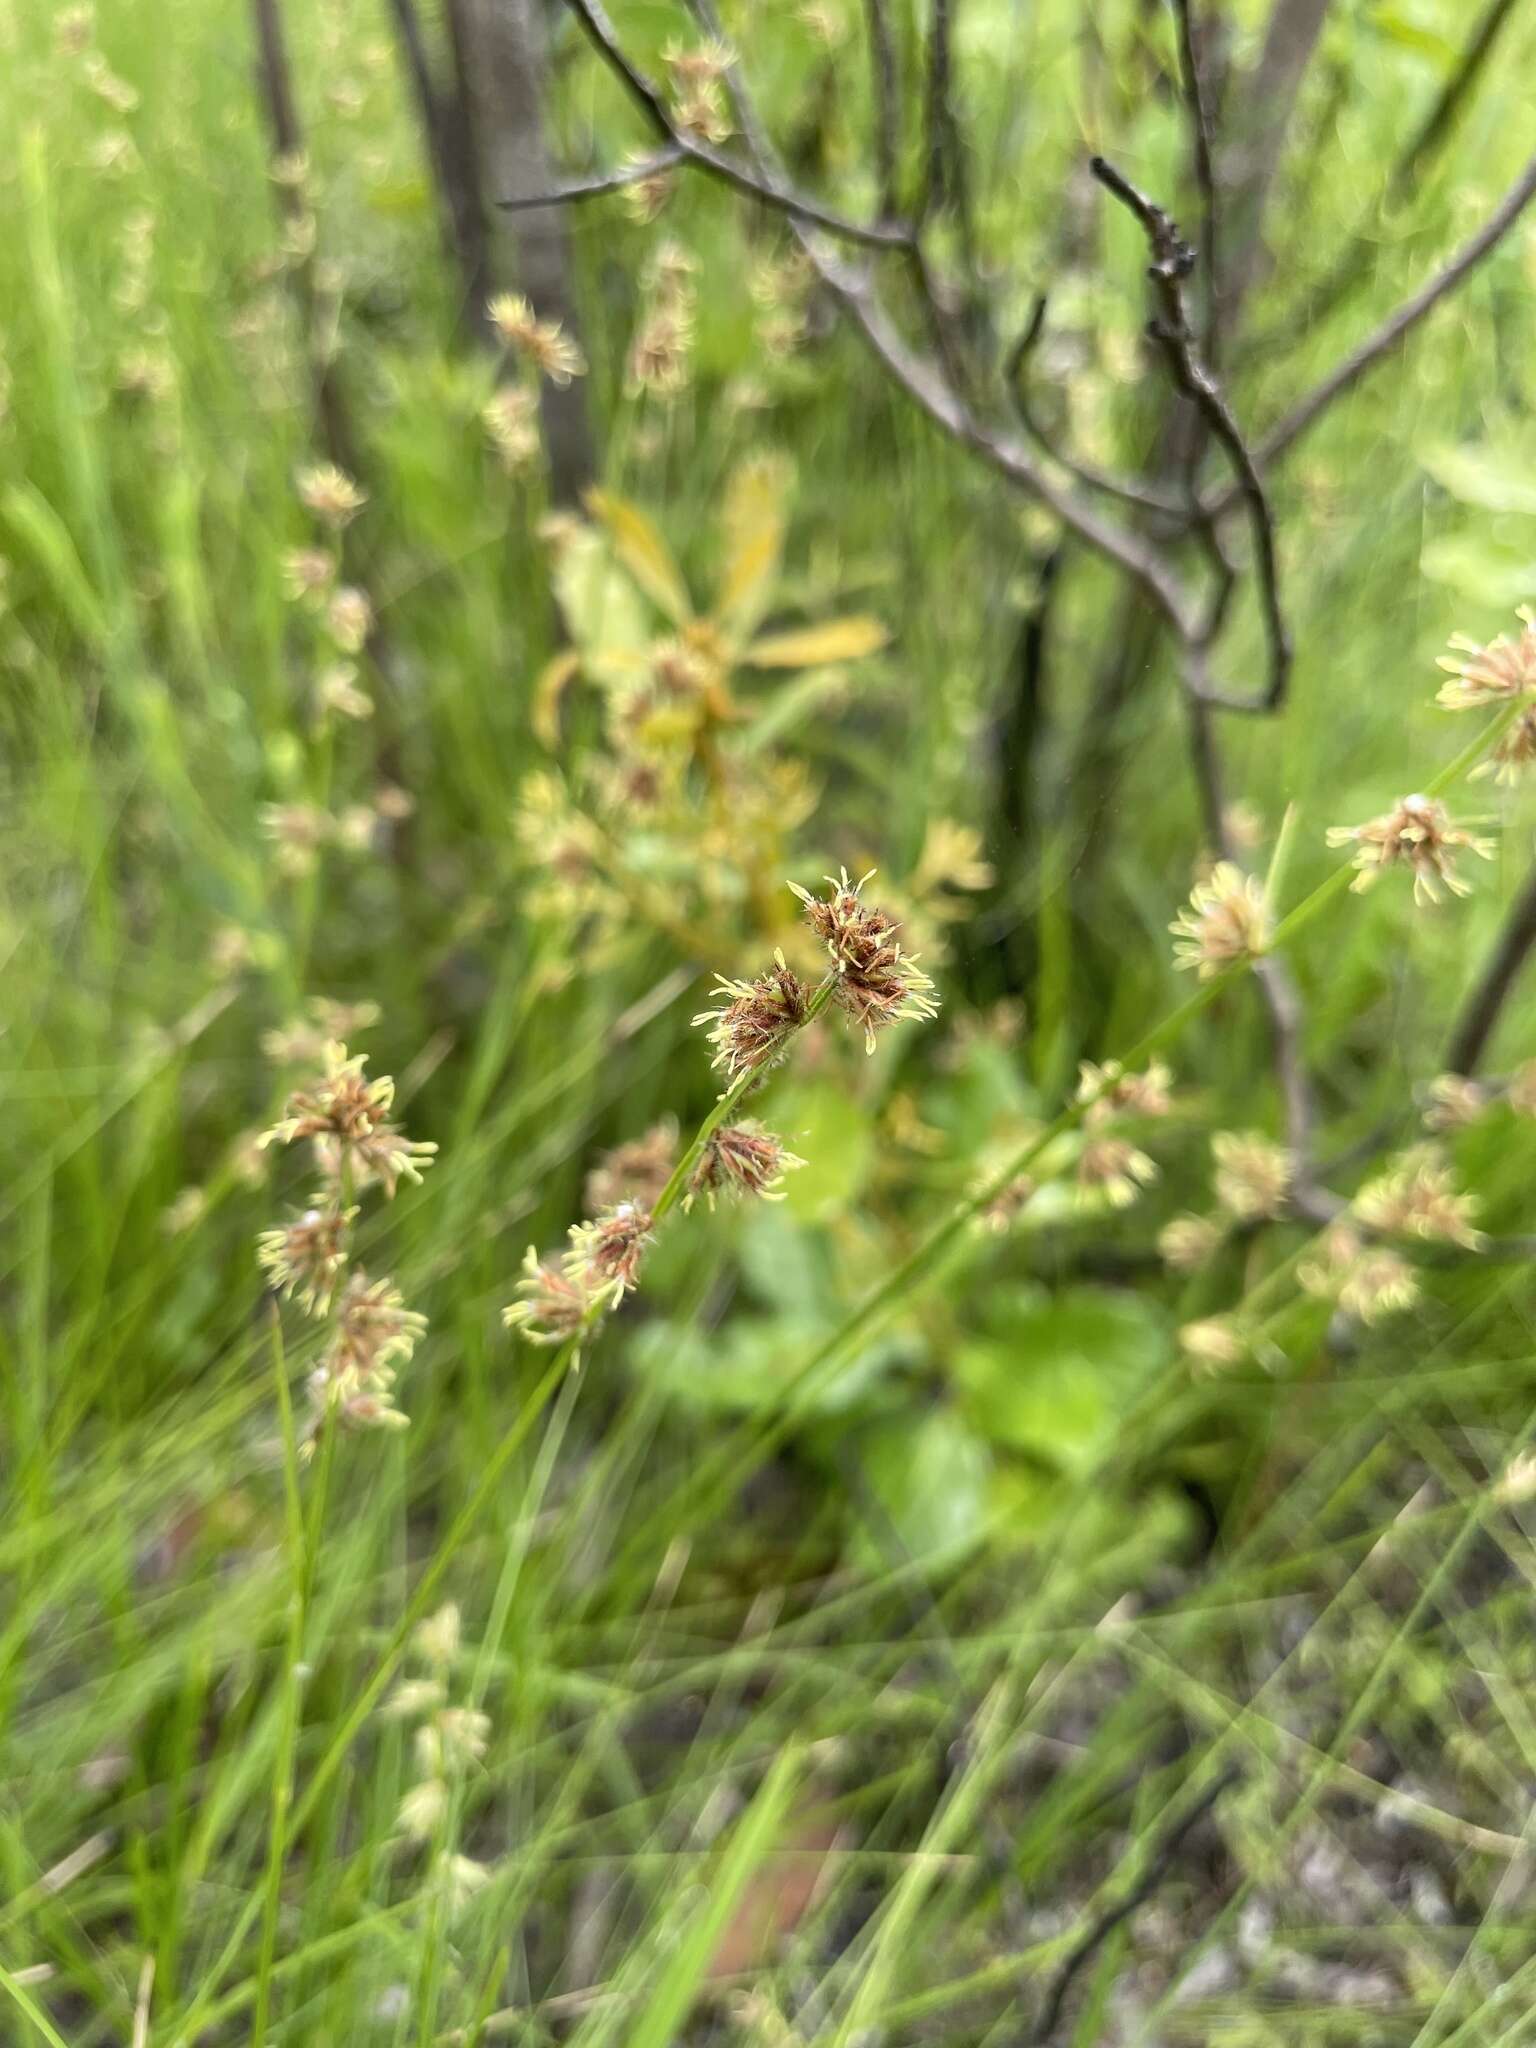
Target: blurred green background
1015, 1585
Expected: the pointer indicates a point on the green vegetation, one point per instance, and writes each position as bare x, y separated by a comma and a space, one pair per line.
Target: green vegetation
819, 1644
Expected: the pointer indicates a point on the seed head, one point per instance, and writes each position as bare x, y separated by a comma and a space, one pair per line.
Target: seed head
436, 1640
1513, 752
511, 422
1114, 1168
336, 691
374, 1330
1368, 1281
451, 1739
1493, 674
1416, 833
1007, 1205
1453, 1102
307, 1256
544, 343
877, 984
298, 831
1253, 1174
1189, 1242
308, 574
333, 496
348, 1117
755, 1020
634, 1172
1521, 1092
553, 1305
740, 1159
1213, 1345
1225, 921
1418, 1197
605, 1254
1108, 1090
349, 619
1517, 1482
423, 1810
644, 198
661, 352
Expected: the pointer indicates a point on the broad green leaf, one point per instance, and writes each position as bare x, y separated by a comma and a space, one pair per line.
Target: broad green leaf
399, 198
831, 1131
1409, 35
548, 688
643, 552
1053, 1375
814, 690
754, 526
787, 1265
600, 605
749, 1366
921, 1483
1495, 480
1489, 571
848, 639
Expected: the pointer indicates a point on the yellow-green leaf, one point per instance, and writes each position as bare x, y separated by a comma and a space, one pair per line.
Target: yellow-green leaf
643, 552
547, 692
847, 639
602, 610
754, 526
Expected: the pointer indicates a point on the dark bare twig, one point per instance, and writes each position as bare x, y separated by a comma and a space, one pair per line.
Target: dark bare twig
944, 180
1126, 489
449, 150
1480, 1014
882, 58
1153, 1876
1355, 262
596, 187
920, 378
1256, 149
1202, 148
651, 101
1441, 119
332, 417
1308, 409
1172, 261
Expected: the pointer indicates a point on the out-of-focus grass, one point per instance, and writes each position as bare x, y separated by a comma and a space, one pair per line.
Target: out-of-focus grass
681, 1705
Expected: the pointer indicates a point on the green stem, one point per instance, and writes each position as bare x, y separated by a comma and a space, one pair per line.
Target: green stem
925, 1255
415, 1609
667, 1199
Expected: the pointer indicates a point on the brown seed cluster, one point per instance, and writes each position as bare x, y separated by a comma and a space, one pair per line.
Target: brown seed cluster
741, 1159
345, 1118
877, 983
755, 1020
1417, 834
1225, 922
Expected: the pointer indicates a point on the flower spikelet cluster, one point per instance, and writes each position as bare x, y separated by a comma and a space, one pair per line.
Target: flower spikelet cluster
753, 1021
542, 343
1225, 922
1417, 834
877, 983
448, 1742
741, 1159
1111, 1167
1491, 674
1253, 1175
1418, 1197
1368, 1281
345, 1117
